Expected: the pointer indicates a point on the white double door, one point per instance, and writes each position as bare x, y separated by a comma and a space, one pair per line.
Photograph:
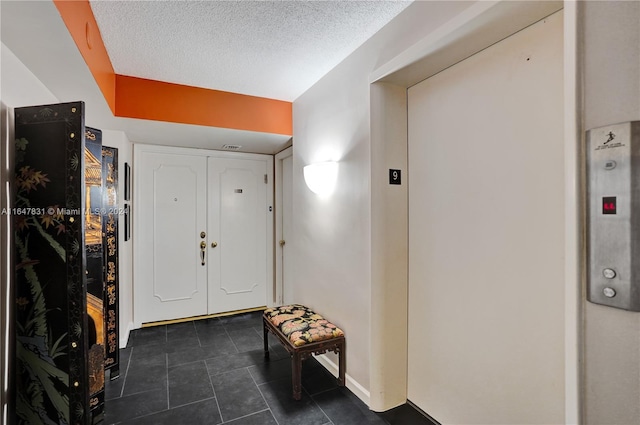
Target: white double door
203, 232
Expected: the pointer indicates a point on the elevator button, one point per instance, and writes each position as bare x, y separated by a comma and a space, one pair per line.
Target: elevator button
610, 165
609, 292
609, 273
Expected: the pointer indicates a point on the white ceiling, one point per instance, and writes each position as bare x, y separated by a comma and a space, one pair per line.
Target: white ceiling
274, 49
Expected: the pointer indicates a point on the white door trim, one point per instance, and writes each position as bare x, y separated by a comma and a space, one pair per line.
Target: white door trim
279, 290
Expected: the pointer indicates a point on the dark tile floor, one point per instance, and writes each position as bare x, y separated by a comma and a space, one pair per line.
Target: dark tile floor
213, 372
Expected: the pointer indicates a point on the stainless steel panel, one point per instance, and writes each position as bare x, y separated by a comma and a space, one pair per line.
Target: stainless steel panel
613, 215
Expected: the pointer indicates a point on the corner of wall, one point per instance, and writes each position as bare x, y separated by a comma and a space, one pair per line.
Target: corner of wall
361, 392
7, 347
389, 244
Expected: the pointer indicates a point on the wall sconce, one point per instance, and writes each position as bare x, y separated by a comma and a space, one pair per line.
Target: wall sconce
321, 177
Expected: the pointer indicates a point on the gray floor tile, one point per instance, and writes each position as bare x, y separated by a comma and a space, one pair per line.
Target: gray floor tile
241, 321
246, 339
155, 335
180, 395
113, 388
288, 411
124, 356
146, 376
261, 418
205, 323
213, 336
202, 413
237, 394
337, 405
182, 335
272, 370
192, 354
133, 406
141, 358
192, 373
317, 379
406, 415
226, 363
178, 331
189, 383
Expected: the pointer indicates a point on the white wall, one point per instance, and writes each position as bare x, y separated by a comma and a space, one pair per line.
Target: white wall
389, 247
6, 293
332, 237
610, 34
18, 87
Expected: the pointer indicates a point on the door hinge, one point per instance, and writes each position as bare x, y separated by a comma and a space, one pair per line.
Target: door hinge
266, 179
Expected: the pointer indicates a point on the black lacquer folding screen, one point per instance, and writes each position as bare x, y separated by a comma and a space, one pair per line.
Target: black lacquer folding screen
111, 213
51, 324
95, 270
65, 224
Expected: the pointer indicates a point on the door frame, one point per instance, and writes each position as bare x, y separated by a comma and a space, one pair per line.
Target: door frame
278, 293
139, 245
478, 27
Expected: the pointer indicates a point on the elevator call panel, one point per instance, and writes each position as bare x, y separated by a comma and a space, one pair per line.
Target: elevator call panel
613, 215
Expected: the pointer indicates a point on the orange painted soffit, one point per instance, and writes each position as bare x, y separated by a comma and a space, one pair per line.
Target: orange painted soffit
155, 100
79, 19
132, 97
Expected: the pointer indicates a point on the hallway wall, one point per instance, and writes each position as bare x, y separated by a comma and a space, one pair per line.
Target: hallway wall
611, 59
332, 243
18, 87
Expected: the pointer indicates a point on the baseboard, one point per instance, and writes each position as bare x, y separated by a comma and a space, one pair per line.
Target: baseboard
361, 392
124, 337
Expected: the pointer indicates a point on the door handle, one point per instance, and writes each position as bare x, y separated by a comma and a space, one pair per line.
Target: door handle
203, 247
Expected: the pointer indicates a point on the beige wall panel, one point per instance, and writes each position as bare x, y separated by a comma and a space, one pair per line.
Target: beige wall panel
486, 235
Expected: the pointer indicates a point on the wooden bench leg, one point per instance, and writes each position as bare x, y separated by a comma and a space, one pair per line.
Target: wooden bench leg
296, 371
265, 332
342, 360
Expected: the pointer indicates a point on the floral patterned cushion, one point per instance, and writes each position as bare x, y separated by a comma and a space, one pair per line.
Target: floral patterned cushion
301, 324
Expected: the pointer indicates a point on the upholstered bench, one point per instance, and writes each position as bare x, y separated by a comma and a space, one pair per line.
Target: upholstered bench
303, 333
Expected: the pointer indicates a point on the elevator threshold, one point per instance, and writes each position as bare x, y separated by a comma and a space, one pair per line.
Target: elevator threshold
206, 316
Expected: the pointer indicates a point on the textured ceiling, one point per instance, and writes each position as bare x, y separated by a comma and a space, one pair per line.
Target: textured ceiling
273, 49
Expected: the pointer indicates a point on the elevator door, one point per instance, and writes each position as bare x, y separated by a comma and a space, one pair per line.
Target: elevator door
486, 234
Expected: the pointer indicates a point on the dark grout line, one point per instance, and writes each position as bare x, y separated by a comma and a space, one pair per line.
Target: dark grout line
246, 416
213, 388
166, 368
263, 397
126, 372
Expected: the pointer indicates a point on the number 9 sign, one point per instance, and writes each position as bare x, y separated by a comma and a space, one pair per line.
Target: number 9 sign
395, 176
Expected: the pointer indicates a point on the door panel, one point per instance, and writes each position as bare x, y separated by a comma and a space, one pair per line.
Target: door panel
486, 234
173, 213
238, 225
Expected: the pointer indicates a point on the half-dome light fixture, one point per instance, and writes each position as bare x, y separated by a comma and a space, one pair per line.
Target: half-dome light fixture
321, 177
